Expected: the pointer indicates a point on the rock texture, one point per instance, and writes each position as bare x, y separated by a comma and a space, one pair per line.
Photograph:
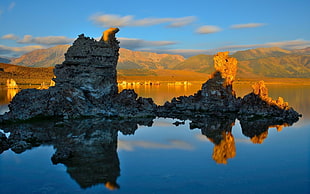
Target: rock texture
259, 104
85, 85
216, 95
226, 65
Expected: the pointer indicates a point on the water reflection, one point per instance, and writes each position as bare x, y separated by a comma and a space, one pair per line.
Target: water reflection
219, 131
88, 147
257, 130
11, 93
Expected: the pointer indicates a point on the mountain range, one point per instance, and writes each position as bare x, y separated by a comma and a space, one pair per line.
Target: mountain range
259, 62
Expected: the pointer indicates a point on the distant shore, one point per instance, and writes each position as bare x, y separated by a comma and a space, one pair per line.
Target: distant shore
155, 80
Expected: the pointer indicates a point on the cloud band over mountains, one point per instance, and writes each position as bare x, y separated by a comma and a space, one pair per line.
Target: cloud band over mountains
48, 40
112, 20
248, 25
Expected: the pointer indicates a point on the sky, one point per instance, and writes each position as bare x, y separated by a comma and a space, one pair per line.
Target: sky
175, 27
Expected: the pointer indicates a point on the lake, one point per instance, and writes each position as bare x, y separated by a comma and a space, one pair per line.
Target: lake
168, 155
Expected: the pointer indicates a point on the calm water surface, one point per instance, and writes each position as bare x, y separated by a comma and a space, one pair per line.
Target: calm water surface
165, 158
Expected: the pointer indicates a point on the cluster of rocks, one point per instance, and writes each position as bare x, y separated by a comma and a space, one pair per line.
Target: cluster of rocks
86, 85
259, 104
216, 95
218, 98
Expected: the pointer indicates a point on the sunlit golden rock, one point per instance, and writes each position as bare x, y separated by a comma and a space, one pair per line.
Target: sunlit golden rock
11, 93
226, 65
109, 34
259, 104
111, 186
11, 84
225, 149
261, 90
52, 83
259, 139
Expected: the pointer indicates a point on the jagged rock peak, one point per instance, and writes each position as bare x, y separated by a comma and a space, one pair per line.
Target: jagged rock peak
90, 65
226, 65
261, 90
88, 50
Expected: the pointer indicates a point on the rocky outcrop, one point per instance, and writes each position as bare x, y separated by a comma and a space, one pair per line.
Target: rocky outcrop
85, 85
215, 97
259, 104
227, 66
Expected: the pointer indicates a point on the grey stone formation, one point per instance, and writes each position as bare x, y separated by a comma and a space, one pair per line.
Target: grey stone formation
218, 98
90, 66
215, 97
86, 85
258, 104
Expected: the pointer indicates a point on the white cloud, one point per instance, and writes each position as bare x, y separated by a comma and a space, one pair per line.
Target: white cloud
11, 6
291, 44
184, 52
48, 40
111, 20
208, 29
248, 25
17, 51
133, 44
10, 37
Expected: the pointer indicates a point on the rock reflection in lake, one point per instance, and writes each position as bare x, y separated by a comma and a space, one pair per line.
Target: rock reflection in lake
88, 147
219, 131
257, 130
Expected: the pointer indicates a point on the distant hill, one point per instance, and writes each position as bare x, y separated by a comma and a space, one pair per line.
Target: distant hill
25, 75
199, 63
259, 62
4, 60
42, 57
127, 60
274, 62
260, 53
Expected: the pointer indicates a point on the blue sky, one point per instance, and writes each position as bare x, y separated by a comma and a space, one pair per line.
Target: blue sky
163, 26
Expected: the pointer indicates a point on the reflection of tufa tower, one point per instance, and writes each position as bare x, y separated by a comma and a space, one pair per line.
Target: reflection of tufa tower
90, 65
